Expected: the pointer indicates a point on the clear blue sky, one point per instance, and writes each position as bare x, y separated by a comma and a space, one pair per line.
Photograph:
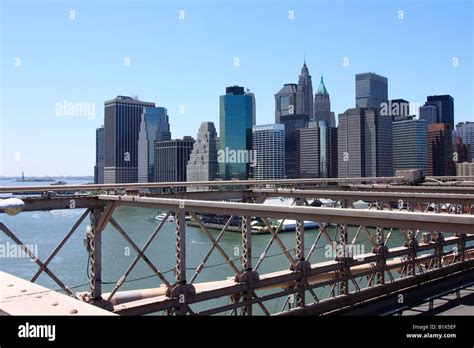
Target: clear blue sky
189, 62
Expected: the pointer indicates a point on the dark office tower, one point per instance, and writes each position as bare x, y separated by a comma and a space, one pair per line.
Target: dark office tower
461, 151
154, 126
171, 159
371, 90
445, 105
317, 151
304, 97
285, 101
322, 106
202, 164
235, 131
410, 144
364, 143
99, 156
398, 109
308, 151
122, 117
440, 150
332, 159
292, 124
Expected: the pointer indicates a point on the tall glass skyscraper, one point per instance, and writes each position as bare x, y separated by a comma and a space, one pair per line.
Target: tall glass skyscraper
235, 130
154, 126
371, 90
122, 117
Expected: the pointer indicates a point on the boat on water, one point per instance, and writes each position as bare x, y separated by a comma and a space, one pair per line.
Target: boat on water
59, 182
162, 216
290, 225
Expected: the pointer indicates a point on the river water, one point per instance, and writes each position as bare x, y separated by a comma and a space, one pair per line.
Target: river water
44, 230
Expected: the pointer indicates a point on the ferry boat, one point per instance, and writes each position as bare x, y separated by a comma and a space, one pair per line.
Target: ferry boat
162, 216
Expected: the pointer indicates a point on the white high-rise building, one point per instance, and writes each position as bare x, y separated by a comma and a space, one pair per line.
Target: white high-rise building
268, 146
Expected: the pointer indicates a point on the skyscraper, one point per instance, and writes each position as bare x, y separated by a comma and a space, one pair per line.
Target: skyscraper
445, 106
465, 130
317, 151
235, 131
438, 109
308, 150
202, 164
122, 117
371, 90
440, 150
304, 97
285, 101
154, 126
171, 159
429, 113
292, 124
268, 144
99, 156
322, 106
410, 144
364, 143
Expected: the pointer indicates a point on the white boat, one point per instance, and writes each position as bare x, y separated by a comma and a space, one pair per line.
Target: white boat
162, 216
290, 225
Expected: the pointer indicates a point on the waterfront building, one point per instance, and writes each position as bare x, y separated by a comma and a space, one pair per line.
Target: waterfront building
122, 117
235, 132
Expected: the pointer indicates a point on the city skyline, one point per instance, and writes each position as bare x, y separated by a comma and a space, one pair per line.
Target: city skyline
175, 80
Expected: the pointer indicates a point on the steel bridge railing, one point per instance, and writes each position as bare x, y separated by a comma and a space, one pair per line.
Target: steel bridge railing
436, 230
